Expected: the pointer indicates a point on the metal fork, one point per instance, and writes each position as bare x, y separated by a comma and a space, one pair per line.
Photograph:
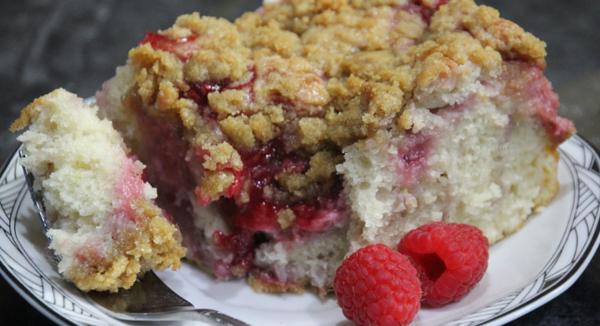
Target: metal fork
149, 299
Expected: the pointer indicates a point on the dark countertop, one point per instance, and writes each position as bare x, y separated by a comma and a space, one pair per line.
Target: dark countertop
76, 44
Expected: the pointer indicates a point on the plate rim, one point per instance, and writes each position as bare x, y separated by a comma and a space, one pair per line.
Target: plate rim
563, 283
11, 279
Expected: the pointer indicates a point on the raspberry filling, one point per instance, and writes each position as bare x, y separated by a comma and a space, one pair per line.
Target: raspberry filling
163, 153
423, 9
255, 206
262, 212
198, 92
183, 47
242, 244
259, 218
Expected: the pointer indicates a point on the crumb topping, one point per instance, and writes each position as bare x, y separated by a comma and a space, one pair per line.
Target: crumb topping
153, 243
320, 74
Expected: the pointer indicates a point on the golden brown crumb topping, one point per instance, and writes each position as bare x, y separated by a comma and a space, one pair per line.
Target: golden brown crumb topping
320, 74
154, 243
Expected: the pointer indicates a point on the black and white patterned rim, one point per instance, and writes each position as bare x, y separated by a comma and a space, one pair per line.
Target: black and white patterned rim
583, 164
581, 160
21, 271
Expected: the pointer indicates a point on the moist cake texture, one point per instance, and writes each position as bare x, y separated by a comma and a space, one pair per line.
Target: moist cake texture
287, 139
104, 224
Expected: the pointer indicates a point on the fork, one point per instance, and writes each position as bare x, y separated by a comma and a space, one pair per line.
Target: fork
149, 299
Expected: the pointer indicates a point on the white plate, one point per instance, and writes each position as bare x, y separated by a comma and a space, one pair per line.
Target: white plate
526, 270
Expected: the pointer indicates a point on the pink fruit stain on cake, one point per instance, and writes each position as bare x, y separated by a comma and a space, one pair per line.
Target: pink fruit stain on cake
545, 101
130, 190
527, 82
413, 157
92, 254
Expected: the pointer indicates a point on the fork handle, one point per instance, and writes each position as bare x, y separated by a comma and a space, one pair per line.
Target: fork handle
208, 316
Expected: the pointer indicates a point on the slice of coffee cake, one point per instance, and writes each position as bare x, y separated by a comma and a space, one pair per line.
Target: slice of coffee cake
291, 137
104, 224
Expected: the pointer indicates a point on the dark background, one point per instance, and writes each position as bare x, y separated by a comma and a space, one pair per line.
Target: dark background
76, 44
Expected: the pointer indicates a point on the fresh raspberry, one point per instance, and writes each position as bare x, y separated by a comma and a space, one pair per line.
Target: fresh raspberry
450, 259
377, 285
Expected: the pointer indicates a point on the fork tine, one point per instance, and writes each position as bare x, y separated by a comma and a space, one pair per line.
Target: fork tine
147, 296
148, 299
35, 197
